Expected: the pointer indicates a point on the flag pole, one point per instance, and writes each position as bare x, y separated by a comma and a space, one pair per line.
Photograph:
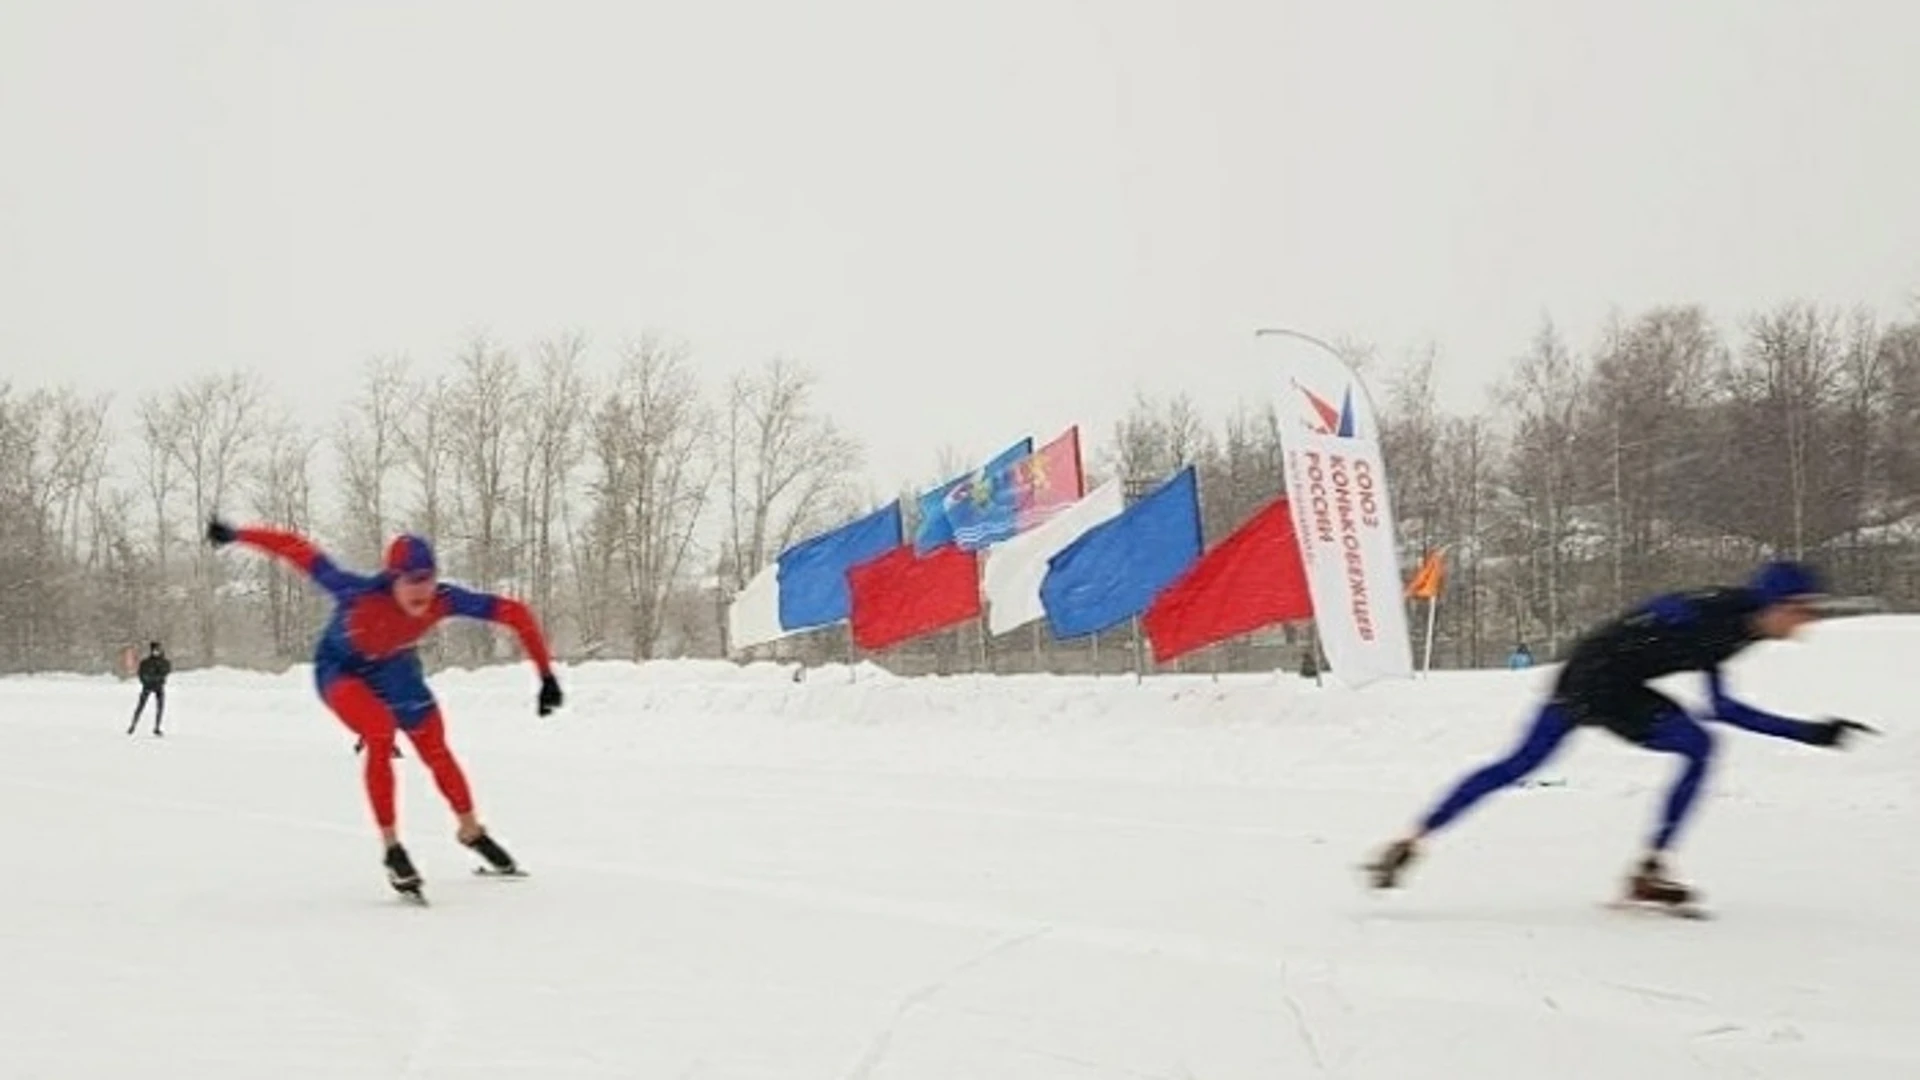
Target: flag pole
986, 631
1433, 608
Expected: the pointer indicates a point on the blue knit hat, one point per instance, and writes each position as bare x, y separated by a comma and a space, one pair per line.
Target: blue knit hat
409, 554
1783, 580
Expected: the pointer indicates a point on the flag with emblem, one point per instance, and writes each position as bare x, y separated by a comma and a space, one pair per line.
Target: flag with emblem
1020, 495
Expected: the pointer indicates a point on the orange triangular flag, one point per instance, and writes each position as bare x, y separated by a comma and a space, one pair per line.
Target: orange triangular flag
1429, 579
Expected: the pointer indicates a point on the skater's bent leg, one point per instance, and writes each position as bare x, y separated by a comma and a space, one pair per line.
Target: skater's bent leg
1677, 733
430, 742
361, 710
1549, 729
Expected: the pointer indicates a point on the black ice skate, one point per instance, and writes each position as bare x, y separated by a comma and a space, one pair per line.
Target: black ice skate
499, 863
1651, 889
401, 874
1384, 872
1651, 885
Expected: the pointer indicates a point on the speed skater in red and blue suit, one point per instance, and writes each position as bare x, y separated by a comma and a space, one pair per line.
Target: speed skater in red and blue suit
368, 671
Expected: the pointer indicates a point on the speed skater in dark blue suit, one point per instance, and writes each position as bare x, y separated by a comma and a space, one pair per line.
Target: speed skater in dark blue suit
368, 672
1604, 684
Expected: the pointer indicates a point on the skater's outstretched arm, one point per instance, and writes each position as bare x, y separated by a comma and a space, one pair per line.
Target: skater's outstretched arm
507, 612
297, 551
511, 613
1741, 715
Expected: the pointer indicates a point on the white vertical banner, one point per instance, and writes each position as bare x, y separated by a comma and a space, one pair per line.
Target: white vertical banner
1337, 486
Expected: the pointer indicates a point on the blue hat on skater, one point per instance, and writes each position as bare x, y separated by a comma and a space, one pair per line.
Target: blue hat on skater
1784, 580
409, 555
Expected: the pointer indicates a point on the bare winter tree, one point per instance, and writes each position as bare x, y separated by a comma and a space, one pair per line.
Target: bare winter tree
1244, 471
553, 445
1544, 396
54, 458
211, 423
486, 399
1780, 387
67, 459
1865, 382
1650, 377
787, 466
1466, 477
1410, 436
126, 598
370, 443
1155, 439
26, 630
427, 462
77, 454
1899, 349
652, 446
160, 477
77, 451
426, 454
280, 489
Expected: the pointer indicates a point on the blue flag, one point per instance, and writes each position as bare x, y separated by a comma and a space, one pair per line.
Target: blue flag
935, 527
813, 573
1116, 569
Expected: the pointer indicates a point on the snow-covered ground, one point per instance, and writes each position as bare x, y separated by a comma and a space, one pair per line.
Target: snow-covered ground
854, 876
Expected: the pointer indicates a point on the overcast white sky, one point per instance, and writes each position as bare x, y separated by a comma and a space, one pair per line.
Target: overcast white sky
977, 220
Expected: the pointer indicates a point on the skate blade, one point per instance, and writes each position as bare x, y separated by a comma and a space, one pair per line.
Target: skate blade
488, 871
1690, 909
409, 891
1370, 879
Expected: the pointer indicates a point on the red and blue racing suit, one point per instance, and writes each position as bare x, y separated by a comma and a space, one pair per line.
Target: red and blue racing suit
368, 672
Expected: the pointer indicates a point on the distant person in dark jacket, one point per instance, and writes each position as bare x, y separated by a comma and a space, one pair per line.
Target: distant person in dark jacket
153, 684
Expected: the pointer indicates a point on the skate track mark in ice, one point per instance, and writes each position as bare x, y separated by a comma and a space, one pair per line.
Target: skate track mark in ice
877, 1051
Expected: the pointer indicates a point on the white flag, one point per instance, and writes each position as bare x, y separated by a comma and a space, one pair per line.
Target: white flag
1015, 568
754, 616
1337, 486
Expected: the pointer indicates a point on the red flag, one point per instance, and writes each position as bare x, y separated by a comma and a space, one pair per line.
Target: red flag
1252, 579
1049, 480
900, 596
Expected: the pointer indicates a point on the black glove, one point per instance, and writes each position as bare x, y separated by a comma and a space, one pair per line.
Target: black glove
220, 534
550, 697
1835, 733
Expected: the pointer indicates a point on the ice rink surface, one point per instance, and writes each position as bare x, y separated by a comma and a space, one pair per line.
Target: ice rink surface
855, 876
